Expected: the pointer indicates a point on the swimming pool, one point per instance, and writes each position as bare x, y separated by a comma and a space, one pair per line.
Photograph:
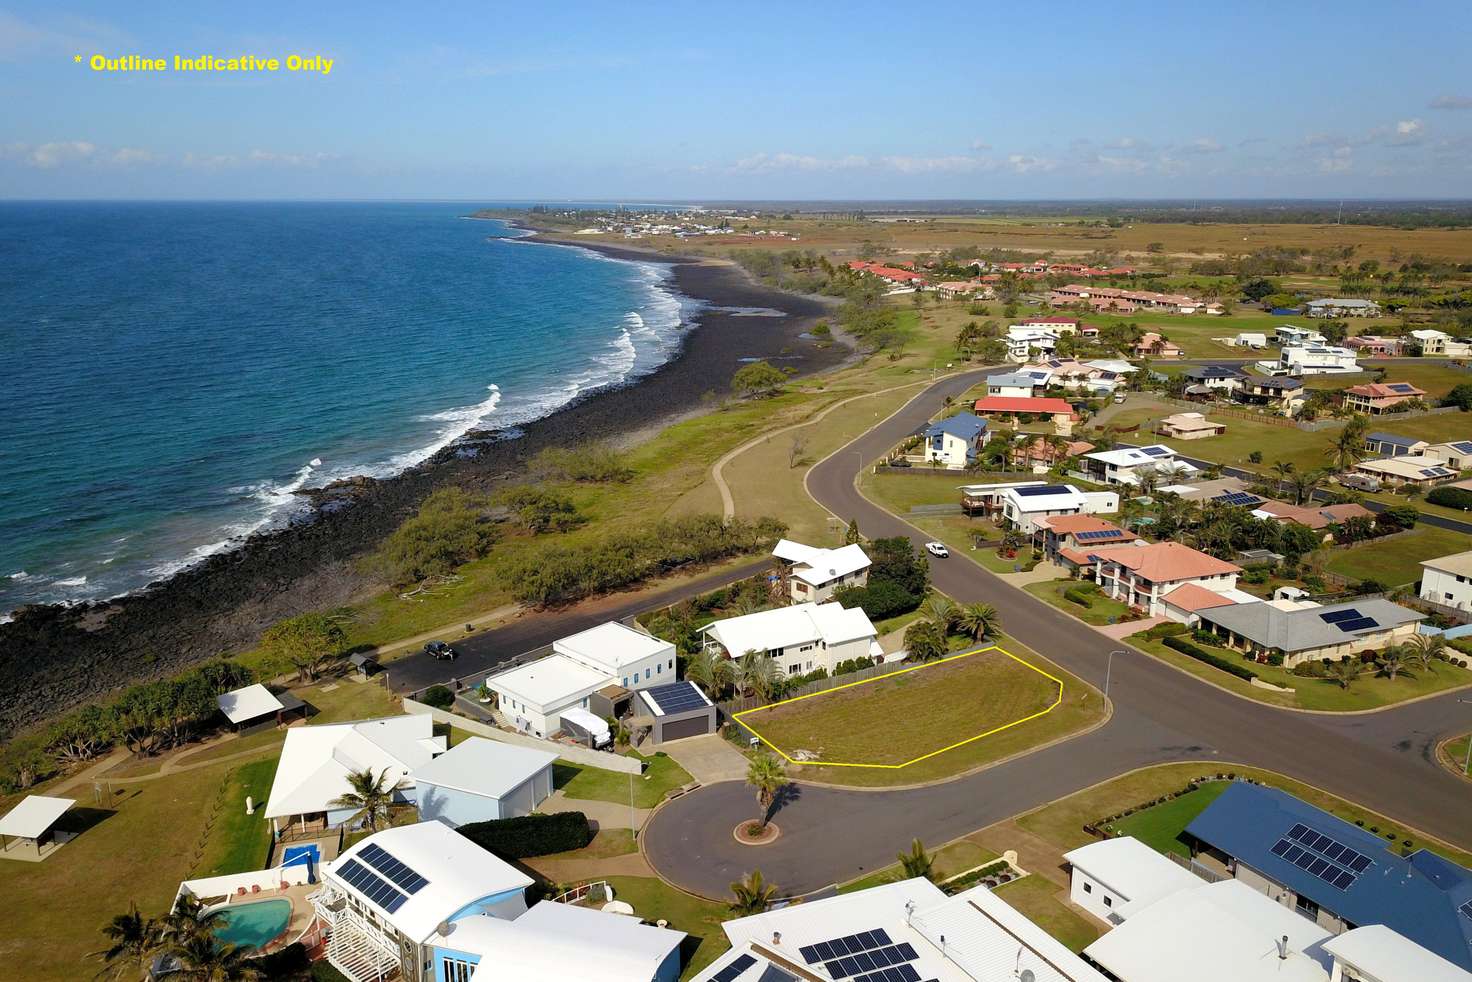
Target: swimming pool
308, 856
254, 924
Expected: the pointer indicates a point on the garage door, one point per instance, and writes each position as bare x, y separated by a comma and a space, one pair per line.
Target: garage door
694, 726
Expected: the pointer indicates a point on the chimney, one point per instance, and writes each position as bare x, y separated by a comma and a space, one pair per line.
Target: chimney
777, 938
1283, 948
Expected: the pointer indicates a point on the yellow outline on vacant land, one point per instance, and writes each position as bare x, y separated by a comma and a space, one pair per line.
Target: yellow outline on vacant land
890, 675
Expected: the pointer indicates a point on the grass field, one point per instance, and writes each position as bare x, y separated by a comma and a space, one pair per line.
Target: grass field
949, 860
661, 775
1456, 752
1044, 903
1061, 822
1369, 691
956, 699
1395, 561
1160, 826
1103, 609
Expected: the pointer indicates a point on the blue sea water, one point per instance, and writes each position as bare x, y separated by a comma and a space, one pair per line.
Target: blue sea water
172, 372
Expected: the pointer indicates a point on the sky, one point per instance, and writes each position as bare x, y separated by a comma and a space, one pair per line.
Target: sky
795, 100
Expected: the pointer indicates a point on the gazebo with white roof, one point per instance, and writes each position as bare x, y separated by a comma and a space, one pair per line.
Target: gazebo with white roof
29, 827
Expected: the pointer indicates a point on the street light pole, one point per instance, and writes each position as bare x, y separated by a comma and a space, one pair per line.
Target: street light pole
1467, 764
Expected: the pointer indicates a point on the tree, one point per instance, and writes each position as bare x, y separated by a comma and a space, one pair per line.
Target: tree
1391, 662
758, 380
1348, 447
978, 620
370, 797
207, 959
133, 940
1460, 396
896, 560
1258, 288
751, 894
1345, 671
851, 536
711, 671
1425, 649
188, 921
305, 641
1303, 484
766, 776
541, 509
756, 673
940, 611
917, 862
451, 528
924, 641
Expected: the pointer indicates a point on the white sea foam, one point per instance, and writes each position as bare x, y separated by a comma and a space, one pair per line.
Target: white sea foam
20, 575
74, 581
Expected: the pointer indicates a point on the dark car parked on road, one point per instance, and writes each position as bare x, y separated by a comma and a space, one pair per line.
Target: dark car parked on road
440, 650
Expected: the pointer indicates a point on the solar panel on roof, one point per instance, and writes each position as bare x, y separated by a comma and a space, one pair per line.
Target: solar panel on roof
398, 872
1334, 617
1241, 498
1462, 447
377, 890
1401, 387
1358, 624
1099, 534
1033, 492
676, 697
1155, 451
732, 971
1321, 856
1466, 910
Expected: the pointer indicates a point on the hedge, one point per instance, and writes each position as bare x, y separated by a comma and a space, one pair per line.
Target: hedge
530, 835
1166, 629
881, 599
1079, 596
1450, 497
1191, 651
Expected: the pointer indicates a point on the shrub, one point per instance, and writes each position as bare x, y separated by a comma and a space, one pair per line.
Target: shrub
853, 665
1080, 596
450, 529
439, 696
880, 599
1191, 651
1450, 497
1166, 630
530, 835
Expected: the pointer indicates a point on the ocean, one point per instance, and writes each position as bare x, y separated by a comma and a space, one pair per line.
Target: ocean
173, 372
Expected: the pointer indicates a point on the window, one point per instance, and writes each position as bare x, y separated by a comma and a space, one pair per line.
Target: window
1108, 901
455, 970
646, 673
1088, 887
659, 668
1308, 908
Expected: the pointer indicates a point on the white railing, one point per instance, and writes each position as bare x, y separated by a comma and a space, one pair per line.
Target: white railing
580, 893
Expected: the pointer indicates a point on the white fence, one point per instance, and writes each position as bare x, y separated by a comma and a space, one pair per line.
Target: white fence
574, 754
252, 884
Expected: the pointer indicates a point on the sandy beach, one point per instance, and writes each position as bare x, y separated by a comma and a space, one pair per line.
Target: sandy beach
52, 657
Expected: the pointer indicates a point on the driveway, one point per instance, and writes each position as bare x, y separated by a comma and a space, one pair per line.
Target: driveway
1384, 760
710, 759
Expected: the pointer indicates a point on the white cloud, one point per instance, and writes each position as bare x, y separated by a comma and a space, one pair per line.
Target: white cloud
1451, 102
125, 156
48, 156
930, 165
764, 162
63, 35
1025, 164
290, 159
1339, 162
980, 145
1202, 144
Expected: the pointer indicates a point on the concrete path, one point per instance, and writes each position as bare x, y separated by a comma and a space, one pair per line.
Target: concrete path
709, 759
1124, 629
605, 814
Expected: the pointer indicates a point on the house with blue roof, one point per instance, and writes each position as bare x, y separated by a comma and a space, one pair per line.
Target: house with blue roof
1336, 874
1393, 444
954, 441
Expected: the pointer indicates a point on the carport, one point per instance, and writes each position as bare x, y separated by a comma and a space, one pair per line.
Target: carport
28, 831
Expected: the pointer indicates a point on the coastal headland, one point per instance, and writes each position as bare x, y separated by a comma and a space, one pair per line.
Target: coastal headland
53, 657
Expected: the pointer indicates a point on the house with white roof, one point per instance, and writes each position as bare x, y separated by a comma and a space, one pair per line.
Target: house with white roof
1342, 307
910, 928
1312, 359
316, 761
426, 904
1114, 878
1420, 469
1025, 342
1435, 342
1127, 465
1447, 580
1375, 953
1024, 507
813, 574
1018, 385
538, 696
480, 780
800, 638
1288, 334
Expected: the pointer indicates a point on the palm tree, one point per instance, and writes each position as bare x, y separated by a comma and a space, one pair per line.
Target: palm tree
187, 921
940, 611
1282, 468
978, 620
924, 641
756, 673
370, 798
1348, 447
1426, 648
206, 959
917, 862
133, 940
1392, 661
752, 894
1303, 484
766, 776
710, 670
1345, 670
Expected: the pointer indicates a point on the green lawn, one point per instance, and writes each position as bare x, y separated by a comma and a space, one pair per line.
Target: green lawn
653, 899
1456, 752
1366, 692
1040, 899
1081, 707
929, 708
951, 860
661, 775
1103, 609
606, 844
1061, 822
238, 842
1160, 826
1395, 561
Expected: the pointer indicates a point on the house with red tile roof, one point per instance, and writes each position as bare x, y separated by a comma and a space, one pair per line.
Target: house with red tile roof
1141, 576
1069, 532
1375, 346
1152, 345
1374, 398
1009, 410
1040, 453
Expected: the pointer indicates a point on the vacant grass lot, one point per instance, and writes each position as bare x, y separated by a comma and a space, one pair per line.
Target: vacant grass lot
1061, 822
1369, 691
919, 710
1160, 826
1395, 561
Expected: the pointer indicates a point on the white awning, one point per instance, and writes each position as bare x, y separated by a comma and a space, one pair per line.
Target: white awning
251, 702
33, 817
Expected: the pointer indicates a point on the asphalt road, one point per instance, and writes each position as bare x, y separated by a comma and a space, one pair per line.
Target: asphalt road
1383, 760
480, 653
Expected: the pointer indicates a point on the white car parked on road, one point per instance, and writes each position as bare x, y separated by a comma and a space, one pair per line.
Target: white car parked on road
938, 550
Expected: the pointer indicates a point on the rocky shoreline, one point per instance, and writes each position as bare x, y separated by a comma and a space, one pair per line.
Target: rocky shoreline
53, 657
